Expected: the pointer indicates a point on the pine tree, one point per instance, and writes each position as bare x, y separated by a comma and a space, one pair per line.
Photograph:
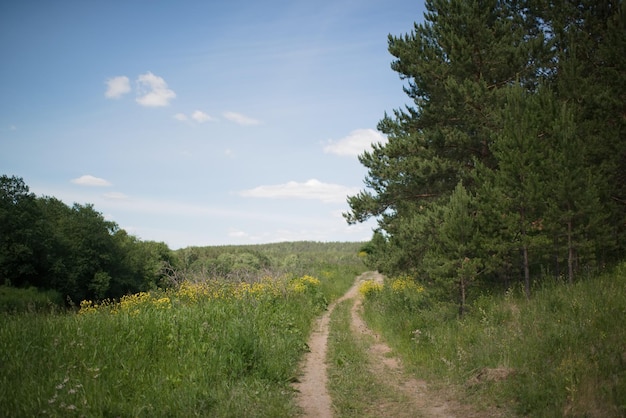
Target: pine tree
520, 177
575, 216
589, 74
454, 257
523, 103
455, 64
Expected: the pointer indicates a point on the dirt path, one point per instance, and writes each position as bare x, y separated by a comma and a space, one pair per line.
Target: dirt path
313, 396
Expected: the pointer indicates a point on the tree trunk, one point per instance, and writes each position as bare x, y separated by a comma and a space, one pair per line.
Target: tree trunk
462, 301
557, 267
570, 253
526, 272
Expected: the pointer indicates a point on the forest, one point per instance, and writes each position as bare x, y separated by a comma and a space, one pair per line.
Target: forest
510, 164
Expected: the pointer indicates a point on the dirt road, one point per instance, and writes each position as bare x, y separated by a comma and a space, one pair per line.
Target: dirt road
314, 398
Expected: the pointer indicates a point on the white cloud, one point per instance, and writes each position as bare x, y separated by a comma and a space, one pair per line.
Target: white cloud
88, 180
153, 91
201, 117
117, 87
355, 143
240, 119
198, 116
311, 189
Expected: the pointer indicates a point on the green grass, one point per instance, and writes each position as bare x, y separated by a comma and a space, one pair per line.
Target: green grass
337, 279
14, 300
563, 351
219, 357
355, 391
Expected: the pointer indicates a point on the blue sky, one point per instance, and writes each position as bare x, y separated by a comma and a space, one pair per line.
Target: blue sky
200, 122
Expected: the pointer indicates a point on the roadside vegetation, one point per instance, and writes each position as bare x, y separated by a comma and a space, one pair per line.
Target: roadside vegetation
500, 201
206, 346
561, 353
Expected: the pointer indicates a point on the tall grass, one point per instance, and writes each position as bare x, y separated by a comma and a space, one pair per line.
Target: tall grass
205, 349
562, 353
29, 300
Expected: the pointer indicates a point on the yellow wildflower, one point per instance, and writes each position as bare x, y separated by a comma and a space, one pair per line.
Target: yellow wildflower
369, 288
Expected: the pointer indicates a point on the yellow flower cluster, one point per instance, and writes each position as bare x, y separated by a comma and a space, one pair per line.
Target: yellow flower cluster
369, 288
162, 303
301, 284
130, 303
268, 286
403, 283
87, 306
194, 292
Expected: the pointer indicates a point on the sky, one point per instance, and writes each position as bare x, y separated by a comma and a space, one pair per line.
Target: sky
200, 122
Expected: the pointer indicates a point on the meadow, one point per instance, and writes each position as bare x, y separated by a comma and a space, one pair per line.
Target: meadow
231, 346
561, 353
202, 348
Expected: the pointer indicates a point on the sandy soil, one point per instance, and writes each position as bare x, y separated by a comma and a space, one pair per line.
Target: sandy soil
313, 396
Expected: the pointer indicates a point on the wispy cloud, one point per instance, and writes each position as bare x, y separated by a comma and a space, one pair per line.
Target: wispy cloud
201, 117
153, 91
117, 87
240, 119
311, 189
198, 116
88, 180
355, 143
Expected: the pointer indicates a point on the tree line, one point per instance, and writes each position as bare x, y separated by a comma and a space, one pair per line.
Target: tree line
73, 250
510, 163
249, 262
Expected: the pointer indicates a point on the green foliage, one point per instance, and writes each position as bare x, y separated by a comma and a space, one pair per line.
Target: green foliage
19, 233
14, 300
251, 262
518, 110
72, 250
198, 348
185, 352
559, 354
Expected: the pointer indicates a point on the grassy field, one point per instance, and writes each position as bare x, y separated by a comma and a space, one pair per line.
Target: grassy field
226, 348
562, 353
211, 348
